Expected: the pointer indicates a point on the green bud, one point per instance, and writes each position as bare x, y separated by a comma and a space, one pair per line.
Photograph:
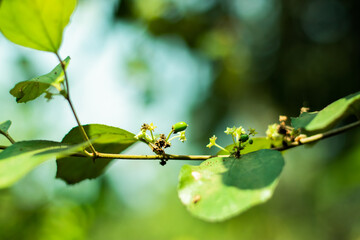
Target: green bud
244, 137
251, 141
178, 127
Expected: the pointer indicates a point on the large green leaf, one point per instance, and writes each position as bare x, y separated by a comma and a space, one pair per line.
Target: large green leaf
105, 139
31, 89
21, 157
36, 24
221, 188
330, 116
258, 144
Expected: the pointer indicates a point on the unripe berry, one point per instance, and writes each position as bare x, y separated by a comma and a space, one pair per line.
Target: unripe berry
244, 137
178, 127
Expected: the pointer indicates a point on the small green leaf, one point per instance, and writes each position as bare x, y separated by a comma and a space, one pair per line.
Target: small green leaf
31, 89
4, 126
331, 115
303, 120
221, 188
258, 144
21, 157
105, 139
37, 24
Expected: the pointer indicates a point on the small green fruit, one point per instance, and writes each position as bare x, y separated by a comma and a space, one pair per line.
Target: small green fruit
244, 137
178, 127
251, 141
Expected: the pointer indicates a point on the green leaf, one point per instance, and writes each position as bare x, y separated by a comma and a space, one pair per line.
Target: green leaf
31, 89
21, 157
303, 120
105, 139
259, 143
4, 126
330, 116
221, 188
37, 24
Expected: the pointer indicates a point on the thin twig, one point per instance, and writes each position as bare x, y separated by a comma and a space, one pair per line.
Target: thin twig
156, 157
67, 97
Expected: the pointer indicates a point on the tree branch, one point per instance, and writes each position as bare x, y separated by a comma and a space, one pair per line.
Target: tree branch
320, 136
302, 141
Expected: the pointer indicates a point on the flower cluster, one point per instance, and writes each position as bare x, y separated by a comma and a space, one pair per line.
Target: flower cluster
158, 143
280, 132
240, 139
273, 132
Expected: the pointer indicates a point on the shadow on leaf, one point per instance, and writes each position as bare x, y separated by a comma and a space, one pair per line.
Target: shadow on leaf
254, 170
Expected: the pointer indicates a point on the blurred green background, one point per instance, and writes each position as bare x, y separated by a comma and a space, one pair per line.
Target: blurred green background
213, 64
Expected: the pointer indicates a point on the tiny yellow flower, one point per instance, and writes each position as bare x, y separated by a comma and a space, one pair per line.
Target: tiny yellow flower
212, 141
182, 136
252, 131
152, 127
229, 131
240, 130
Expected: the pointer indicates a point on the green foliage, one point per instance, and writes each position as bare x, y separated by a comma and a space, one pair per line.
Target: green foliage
21, 157
105, 139
31, 89
218, 189
330, 116
4, 126
36, 24
221, 188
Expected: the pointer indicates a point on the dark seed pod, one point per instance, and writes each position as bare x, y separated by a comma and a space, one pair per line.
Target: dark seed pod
178, 127
251, 141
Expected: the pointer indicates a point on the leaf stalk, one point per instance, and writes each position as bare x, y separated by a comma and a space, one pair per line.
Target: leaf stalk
67, 97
